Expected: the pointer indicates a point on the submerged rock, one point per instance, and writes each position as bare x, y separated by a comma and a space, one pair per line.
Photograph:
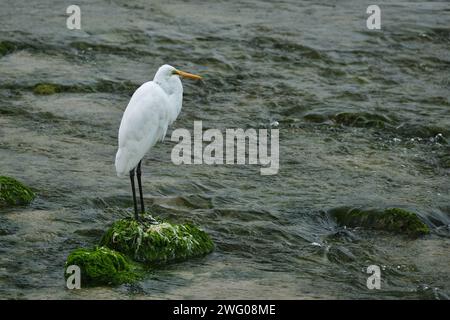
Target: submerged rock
127, 244
97, 86
352, 119
13, 192
46, 89
393, 219
362, 119
155, 243
101, 266
7, 47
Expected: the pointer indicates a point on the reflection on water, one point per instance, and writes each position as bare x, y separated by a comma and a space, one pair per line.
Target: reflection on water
359, 112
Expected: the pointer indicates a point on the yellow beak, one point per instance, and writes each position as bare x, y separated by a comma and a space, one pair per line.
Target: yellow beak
187, 75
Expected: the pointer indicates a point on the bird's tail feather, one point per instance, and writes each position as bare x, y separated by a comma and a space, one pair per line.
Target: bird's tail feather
121, 164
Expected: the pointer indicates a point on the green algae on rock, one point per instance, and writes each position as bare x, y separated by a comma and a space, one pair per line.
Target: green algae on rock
13, 192
156, 243
46, 89
7, 47
98, 86
392, 219
101, 266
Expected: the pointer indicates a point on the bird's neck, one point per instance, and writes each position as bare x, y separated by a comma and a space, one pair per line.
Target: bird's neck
174, 90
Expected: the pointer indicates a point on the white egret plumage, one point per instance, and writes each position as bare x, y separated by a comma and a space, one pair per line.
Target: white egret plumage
152, 108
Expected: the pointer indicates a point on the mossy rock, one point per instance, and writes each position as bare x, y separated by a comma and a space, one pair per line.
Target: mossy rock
101, 266
157, 243
13, 192
7, 47
98, 86
392, 219
46, 89
315, 117
362, 119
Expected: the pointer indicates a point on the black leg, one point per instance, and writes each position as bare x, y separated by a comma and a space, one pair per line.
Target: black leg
136, 215
139, 174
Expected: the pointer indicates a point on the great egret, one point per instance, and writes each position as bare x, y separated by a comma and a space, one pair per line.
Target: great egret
152, 108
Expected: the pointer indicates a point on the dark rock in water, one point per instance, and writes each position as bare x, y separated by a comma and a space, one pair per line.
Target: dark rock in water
101, 266
393, 219
315, 117
46, 89
7, 47
13, 192
155, 243
352, 119
429, 132
444, 160
98, 86
362, 119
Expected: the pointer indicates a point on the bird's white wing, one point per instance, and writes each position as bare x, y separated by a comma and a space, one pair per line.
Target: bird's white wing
144, 123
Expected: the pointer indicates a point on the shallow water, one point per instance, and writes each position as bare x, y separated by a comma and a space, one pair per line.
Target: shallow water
359, 115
